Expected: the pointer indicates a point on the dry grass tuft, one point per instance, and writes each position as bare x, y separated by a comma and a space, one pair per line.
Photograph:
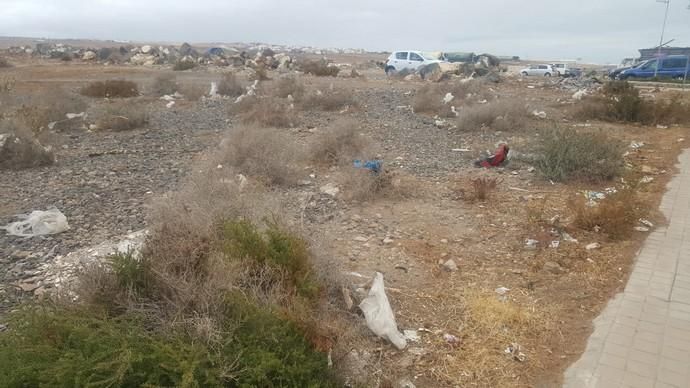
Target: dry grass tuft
501, 115
340, 143
37, 111
123, 116
616, 215
111, 89
483, 187
363, 185
164, 84
260, 74
319, 68
230, 86
289, 86
183, 65
21, 149
429, 100
4, 63
330, 100
620, 101
263, 154
265, 112
193, 91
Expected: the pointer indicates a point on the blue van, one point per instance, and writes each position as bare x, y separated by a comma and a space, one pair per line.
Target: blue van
672, 66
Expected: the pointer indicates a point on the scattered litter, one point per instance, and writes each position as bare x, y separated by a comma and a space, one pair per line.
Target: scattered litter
567, 237
515, 351
38, 223
531, 169
646, 223
579, 94
539, 114
71, 116
214, 90
379, 315
531, 243
599, 195
448, 98
461, 150
330, 189
647, 179
636, 144
406, 383
502, 290
555, 244
372, 165
593, 246
530, 86
440, 123
361, 239
170, 104
496, 160
642, 229
659, 126
451, 339
411, 335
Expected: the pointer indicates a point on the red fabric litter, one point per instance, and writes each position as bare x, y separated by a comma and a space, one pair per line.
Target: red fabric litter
496, 160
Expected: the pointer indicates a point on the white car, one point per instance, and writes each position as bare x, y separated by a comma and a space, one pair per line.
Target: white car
540, 70
410, 60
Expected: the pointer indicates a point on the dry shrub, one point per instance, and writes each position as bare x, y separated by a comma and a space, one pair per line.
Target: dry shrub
616, 215
193, 91
500, 115
319, 68
20, 149
38, 110
289, 86
183, 65
230, 86
621, 101
483, 187
340, 143
6, 85
263, 154
363, 185
111, 89
123, 116
564, 154
4, 63
164, 84
429, 100
260, 74
330, 100
265, 111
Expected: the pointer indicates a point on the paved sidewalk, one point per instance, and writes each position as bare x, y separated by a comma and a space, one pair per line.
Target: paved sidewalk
642, 338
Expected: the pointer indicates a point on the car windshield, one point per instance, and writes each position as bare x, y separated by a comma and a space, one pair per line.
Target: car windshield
428, 56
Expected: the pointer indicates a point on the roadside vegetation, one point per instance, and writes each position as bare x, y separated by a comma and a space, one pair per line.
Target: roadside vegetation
111, 89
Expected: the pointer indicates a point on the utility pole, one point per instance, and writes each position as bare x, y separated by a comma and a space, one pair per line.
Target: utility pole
661, 41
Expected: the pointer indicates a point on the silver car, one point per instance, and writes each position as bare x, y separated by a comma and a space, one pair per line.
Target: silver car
539, 70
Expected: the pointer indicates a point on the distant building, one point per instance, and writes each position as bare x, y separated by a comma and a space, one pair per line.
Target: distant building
653, 52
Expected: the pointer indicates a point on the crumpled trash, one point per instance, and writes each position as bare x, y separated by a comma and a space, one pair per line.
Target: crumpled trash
496, 160
515, 351
38, 223
539, 114
372, 165
379, 315
448, 98
451, 339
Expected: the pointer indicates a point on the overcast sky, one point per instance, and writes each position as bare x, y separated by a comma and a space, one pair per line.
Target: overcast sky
594, 30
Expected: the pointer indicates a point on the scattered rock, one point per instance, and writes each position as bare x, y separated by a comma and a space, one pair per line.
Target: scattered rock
553, 267
450, 265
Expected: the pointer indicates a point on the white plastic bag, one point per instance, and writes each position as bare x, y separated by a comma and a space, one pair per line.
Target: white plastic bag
38, 223
379, 315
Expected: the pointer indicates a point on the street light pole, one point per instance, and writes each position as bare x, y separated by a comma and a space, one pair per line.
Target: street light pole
661, 41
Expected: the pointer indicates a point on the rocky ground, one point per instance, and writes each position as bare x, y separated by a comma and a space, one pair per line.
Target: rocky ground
434, 249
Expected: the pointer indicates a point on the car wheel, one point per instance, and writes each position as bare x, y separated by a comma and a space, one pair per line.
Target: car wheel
390, 70
524, 74
547, 74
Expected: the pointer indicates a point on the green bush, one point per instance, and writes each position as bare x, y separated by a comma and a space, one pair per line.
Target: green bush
275, 246
567, 154
67, 347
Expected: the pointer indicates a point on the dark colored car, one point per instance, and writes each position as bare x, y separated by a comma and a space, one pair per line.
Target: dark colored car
672, 66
